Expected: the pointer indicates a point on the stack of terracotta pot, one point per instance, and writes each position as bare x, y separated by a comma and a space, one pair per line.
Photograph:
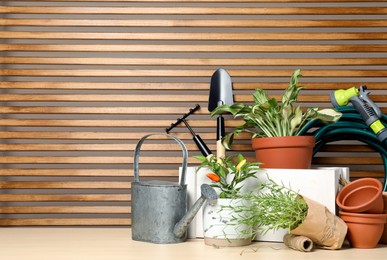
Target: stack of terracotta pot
363, 208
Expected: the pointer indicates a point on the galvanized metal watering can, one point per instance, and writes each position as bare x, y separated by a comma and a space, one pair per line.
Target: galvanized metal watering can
159, 208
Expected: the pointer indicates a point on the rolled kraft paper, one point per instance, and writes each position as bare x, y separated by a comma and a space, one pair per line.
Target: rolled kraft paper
323, 227
300, 243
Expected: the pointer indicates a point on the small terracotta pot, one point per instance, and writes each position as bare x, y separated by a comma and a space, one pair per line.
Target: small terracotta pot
383, 240
364, 230
285, 152
361, 196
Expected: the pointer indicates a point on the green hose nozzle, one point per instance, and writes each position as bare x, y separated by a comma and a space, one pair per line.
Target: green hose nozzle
367, 109
340, 98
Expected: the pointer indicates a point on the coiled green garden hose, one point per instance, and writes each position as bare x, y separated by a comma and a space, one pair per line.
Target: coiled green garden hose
350, 127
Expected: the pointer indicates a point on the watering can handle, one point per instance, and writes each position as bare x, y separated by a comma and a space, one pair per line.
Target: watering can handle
137, 154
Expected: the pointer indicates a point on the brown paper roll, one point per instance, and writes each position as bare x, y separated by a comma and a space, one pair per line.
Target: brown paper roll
300, 243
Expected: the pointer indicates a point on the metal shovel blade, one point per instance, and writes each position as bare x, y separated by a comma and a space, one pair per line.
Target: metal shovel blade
220, 90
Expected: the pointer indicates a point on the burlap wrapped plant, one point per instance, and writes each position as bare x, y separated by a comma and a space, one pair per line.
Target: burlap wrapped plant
276, 207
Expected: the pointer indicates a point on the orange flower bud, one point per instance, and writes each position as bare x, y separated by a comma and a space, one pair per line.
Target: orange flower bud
213, 177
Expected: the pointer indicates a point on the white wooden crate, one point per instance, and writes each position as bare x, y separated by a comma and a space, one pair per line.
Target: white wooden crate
320, 184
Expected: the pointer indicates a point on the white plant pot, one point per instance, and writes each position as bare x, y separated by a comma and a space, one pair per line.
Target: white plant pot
220, 227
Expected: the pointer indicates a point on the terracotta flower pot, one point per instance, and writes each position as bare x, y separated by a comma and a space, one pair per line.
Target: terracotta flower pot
364, 230
362, 195
383, 240
287, 152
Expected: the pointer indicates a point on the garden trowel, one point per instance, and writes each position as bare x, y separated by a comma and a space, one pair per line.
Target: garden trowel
220, 94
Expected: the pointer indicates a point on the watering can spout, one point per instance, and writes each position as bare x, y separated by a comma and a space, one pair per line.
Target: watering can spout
209, 194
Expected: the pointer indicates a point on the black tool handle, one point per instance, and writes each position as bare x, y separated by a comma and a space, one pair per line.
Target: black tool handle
220, 132
202, 146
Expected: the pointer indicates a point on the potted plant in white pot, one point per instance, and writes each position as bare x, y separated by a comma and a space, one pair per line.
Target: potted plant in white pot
227, 176
278, 125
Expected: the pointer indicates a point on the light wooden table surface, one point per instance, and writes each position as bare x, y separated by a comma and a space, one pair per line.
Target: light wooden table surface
116, 243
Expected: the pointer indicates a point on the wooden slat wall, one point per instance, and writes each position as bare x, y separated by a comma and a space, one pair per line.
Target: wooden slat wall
82, 81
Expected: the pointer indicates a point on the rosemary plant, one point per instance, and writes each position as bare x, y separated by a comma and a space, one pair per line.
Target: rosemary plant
273, 207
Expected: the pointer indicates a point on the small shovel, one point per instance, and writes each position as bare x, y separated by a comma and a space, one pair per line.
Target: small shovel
220, 94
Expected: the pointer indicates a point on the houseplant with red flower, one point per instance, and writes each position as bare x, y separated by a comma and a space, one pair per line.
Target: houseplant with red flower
228, 173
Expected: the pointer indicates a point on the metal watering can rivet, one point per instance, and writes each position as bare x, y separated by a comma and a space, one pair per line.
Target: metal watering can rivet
159, 208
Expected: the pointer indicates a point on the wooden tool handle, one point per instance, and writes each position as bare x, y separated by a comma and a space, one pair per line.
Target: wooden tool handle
220, 150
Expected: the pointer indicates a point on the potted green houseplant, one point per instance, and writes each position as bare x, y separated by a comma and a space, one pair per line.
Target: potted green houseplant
278, 125
275, 206
227, 176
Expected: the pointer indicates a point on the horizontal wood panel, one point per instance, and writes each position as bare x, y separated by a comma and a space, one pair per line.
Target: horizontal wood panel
129, 173
104, 147
153, 147
89, 160
65, 197
185, 73
194, 62
102, 110
66, 210
79, 172
205, 48
368, 173
316, 98
194, 23
156, 147
346, 148
109, 85
64, 185
108, 123
161, 160
178, 86
347, 160
66, 222
99, 135
241, 36
98, 110
140, 98
195, 10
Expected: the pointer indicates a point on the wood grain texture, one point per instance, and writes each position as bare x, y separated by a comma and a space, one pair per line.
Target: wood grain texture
194, 23
205, 48
83, 81
175, 86
195, 10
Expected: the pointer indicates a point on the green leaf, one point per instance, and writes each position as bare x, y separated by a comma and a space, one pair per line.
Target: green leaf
328, 115
296, 120
260, 96
227, 140
286, 112
231, 165
291, 93
223, 109
240, 158
200, 158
